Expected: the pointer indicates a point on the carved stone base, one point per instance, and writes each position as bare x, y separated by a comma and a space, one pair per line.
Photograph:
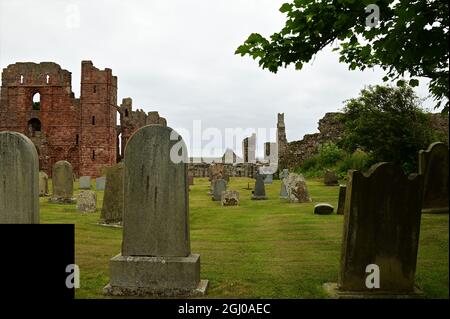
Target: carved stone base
334, 292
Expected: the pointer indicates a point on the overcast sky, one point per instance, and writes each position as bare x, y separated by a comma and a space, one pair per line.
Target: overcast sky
177, 57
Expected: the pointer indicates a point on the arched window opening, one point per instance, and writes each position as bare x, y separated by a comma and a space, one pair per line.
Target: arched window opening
36, 102
34, 125
21, 79
95, 88
93, 120
126, 112
77, 139
93, 155
47, 79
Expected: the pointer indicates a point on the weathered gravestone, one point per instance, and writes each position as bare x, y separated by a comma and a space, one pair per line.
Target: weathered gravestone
259, 193
341, 202
43, 184
19, 181
87, 202
283, 191
156, 256
230, 198
85, 182
433, 165
62, 179
381, 234
330, 178
112, 209
219, 186
297, 188
100, 183
323, 209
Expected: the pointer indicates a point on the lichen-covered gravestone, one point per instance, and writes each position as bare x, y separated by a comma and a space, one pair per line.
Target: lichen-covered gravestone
381, 234
230, 198
87, 202
43, 184
297, 188
433, 165
62, 179
259, 193
100, 183
19, 180
156, 256
112, 209
85, 182
341, 202
219, 186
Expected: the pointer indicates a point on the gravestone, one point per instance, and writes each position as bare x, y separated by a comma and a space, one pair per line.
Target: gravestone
297, 189
43, 184
219, 186
85, 182
112, 209
19, 180
259, 193
100, 183
341, 202
230, 198
190, 180
433, 165
156, 256
323, 209
268, 179
87, 202
62, 178
381, 234
283, 191
330, 178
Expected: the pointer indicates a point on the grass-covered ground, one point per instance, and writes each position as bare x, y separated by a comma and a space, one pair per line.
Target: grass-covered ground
261, 249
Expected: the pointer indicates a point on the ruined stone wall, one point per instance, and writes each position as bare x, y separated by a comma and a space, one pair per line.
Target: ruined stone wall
330, 130
131, 121
233, 170
58, 115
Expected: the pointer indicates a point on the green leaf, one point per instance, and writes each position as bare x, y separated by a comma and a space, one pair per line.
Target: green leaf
414, 82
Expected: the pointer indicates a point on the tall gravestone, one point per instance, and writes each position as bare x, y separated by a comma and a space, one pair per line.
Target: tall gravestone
283, 191
297, 188
112, 209
341, 200
62, 178
43, 184
156, 256
19, 180
219, 186
381, 233
259, 193
433, 165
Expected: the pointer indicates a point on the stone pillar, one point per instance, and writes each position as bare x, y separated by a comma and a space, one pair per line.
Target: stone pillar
19, 180
156, 256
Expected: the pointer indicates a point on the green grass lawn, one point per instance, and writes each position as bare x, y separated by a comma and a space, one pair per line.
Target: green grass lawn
261, 249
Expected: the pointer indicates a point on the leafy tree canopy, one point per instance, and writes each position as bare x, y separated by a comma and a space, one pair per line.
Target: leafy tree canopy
411, 39
388, 123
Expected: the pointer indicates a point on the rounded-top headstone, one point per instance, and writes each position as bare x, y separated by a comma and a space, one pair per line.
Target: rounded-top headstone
19, 180
62, 179
156, 198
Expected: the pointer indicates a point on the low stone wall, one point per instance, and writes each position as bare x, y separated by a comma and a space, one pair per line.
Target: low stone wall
233, 170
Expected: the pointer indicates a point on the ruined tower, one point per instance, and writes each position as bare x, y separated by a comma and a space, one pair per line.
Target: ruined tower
98, 106
281, 135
